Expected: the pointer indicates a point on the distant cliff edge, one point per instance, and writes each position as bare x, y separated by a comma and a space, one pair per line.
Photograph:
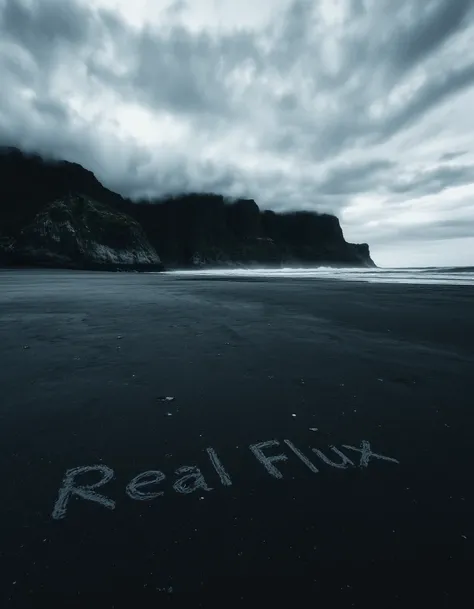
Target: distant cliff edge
58, 214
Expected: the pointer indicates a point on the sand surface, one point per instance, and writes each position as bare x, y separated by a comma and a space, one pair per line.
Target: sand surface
314, 425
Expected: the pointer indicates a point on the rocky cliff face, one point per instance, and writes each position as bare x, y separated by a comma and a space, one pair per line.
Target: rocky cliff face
77, 232
59, 214
205, 230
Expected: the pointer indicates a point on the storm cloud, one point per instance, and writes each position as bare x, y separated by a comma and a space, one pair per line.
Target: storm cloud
357, 107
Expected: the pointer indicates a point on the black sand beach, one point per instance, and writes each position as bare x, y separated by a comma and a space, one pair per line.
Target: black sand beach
382, 373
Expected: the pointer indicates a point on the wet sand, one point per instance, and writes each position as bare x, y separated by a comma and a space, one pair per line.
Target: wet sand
318, 429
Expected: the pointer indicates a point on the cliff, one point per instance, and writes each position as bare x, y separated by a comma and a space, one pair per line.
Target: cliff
204, 229
78, 232
58, 214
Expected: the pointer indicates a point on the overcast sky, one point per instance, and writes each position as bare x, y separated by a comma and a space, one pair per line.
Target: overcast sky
363, 108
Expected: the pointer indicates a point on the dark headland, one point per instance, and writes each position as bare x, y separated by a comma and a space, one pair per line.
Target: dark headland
195, 442
57, 214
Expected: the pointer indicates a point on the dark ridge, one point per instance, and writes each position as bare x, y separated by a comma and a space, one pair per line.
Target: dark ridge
190, 230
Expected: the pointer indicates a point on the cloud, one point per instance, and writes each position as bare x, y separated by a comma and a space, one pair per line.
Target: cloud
359, 107
432, 24
433, 181
45, 29
355, 177
451, 156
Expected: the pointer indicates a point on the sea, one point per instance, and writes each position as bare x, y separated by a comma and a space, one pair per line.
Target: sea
453, 275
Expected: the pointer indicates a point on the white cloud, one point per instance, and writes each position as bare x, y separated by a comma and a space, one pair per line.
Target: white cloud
217, 15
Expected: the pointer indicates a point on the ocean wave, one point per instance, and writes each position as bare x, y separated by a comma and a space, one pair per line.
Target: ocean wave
426, 275
449, 269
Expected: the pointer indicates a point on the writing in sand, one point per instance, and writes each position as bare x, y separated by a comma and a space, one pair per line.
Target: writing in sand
146, 486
